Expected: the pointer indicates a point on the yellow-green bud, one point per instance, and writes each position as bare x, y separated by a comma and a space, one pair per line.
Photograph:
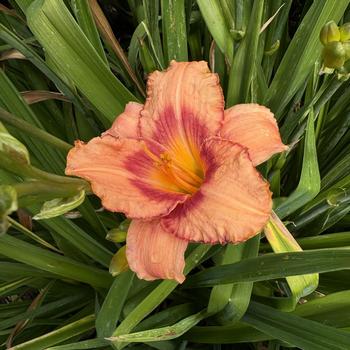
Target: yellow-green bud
334, 55
329, 33
119, 263
116, 236
345, 32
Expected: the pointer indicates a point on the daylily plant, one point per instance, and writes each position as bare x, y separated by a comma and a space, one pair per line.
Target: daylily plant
182, 168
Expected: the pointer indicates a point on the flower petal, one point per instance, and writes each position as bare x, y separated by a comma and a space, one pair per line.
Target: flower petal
123, 176
154, 253
185, 105
127, 123
232, 205
254, 127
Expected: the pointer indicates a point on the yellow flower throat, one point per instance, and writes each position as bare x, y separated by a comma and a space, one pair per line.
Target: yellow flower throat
185, 176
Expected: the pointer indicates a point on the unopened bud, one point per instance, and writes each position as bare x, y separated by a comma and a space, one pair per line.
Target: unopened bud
12, 148
329, 33
116, 236
345, 32
119, 263
334, 55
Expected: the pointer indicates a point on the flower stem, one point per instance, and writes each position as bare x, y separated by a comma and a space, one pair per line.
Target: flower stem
28, 171
31, 191
32, 130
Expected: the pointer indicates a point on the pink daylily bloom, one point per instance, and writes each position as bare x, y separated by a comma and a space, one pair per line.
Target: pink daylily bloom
182, 168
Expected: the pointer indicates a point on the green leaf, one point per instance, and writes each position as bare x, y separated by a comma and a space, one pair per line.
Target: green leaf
112, 42
113, 304
151, 25
164, 333
233, 299
138, 35
302, 53
59, 335
31, 235
13, 270
167, 317
242, 69
86, 22
71, 51
174, 30
79, 239
59, 206
310, 181
8, 287
271, 266
341, 239
38, 62
214, 17
221, 294
229, 334
32, 130
330, 310
82, 345
158, 295
50, 159
302, 333
24, 4
282, 241
51, 262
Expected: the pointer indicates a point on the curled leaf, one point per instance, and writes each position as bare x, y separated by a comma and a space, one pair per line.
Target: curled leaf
36, 96
59, 206
282, 241
12, 55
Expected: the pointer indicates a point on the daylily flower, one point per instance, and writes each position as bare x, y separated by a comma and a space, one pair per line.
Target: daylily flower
182, 168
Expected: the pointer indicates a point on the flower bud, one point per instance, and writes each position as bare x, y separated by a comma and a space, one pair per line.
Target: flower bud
334, 55
345, 32
119, 263
12, 148
329, 33
116, 236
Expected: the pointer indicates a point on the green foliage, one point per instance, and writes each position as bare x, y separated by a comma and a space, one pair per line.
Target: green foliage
56, 291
